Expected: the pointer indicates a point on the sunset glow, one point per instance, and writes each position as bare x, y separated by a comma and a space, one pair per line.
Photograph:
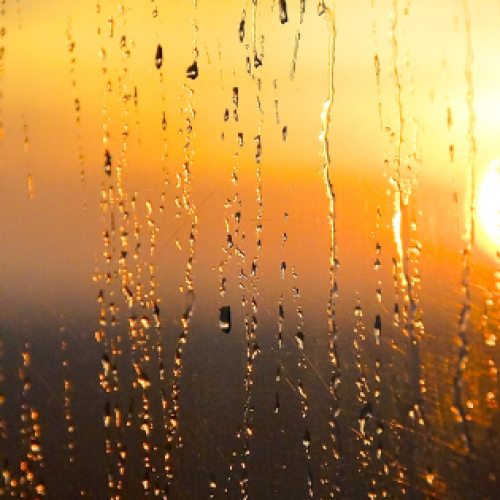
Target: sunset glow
488, 207
201, 300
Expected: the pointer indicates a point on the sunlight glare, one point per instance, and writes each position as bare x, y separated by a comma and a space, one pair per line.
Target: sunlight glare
489, 204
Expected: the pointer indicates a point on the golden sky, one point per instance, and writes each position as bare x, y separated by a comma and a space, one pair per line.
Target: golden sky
431, 61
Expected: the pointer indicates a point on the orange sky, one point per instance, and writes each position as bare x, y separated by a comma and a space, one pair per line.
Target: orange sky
431, 63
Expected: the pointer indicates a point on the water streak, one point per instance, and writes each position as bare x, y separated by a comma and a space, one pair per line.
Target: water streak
329, 12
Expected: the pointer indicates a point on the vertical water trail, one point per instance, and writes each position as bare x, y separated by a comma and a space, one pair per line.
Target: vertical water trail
251, 322
281, 322
67, 394
364, 436
398, 194
173, 436
108, 376
173, 433
31, 483
159, 56
234, 237
26, 147
301, 389
159, 59
281, 326
153, 302
302, 10
295, 55
71, 45
133, 272
417, 444
406, 475
376, 61
115, 239
336, 488
404, 448
120, 257
378, 441
232, 247
458, 404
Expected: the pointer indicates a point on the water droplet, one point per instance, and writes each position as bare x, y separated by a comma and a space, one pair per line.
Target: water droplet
107, 162
257, 61
302, 10
213, 483
307, 439
377, 328
31, 187
142, 378
396, 315
430, 475
364, 415
301, 390
159, 57
300, 340
283, 12
192, 71
225, 319
110, 24
283, 269
241, 27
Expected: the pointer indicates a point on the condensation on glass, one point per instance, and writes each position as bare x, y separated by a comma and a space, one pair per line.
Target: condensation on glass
249, 249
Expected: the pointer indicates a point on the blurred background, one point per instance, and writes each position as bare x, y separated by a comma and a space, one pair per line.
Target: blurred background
249, 249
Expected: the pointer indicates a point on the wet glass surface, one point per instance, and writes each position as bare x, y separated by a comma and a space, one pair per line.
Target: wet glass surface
249, 249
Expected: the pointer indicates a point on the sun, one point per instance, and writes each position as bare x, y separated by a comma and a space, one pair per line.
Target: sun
488, 205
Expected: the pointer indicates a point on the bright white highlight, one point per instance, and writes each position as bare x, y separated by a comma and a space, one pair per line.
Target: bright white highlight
488, 204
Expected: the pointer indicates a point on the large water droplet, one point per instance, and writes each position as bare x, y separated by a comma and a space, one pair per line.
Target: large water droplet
283, 12
377, 328
159, 57
192, 71
241, 28
300, 340
225, 319
107, 162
